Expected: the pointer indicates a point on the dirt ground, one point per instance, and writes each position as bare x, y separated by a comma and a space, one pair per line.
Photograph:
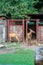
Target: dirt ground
14, 47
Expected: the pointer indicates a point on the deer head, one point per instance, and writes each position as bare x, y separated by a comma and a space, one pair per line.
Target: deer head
32, 31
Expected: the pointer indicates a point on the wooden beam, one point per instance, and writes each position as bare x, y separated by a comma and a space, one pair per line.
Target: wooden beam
32, 19
37, 29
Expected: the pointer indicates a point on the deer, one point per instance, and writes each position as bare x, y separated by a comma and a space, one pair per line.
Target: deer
29, 36
14, 35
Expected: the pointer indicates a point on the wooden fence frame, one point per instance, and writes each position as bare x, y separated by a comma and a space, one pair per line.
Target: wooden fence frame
8, 26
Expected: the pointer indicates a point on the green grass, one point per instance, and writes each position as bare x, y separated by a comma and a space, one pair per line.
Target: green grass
22, 57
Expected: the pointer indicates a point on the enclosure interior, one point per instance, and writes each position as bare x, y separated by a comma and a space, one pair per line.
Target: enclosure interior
32, 25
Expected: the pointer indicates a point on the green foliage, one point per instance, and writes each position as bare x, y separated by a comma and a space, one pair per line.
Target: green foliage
17, 8
39, 5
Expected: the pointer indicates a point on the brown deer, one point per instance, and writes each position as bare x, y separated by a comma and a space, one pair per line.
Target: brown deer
29, 36
14, 35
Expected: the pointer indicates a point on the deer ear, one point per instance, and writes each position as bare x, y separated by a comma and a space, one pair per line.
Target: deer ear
30, 29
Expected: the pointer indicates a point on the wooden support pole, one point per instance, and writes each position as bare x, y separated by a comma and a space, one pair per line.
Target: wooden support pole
37, 29
23, 28
26, 26
8, 29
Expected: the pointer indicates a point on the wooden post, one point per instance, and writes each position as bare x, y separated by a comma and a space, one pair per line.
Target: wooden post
36, 29
26, 26
23, 28
8, 30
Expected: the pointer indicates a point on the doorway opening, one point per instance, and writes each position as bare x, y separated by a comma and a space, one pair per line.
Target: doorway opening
32, 25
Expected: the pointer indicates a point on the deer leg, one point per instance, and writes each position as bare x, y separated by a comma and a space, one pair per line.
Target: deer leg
31, 40
10, 38
27, 41
17, 38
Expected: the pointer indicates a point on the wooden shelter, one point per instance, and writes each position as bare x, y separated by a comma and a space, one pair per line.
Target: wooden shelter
22, 26
38, 26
